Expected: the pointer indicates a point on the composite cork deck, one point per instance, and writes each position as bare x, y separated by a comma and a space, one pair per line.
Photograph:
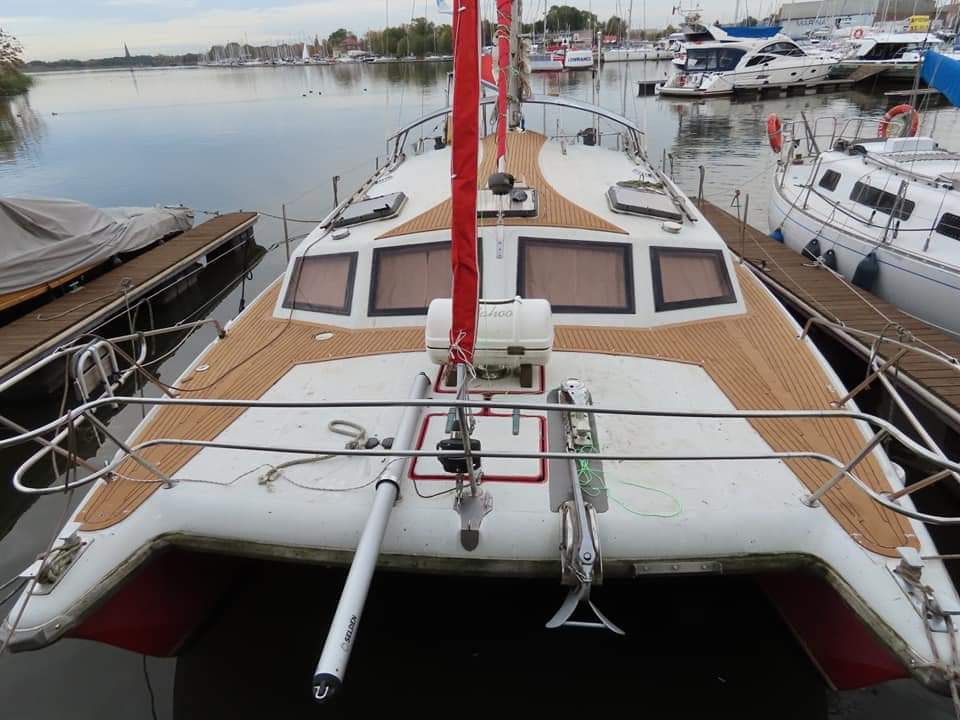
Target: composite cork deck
523, 152
755, 359
58, 321
836, 300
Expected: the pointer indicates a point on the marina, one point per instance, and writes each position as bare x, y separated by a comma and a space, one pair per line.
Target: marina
589, 383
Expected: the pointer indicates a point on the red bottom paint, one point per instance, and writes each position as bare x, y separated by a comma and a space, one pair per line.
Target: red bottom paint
155, 611
838, 642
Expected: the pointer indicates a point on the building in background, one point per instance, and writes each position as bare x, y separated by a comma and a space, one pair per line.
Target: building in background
801, 19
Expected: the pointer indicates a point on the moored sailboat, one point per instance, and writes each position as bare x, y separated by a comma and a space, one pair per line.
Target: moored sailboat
552, 349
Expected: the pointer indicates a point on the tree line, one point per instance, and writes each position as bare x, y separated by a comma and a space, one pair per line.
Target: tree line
12, 79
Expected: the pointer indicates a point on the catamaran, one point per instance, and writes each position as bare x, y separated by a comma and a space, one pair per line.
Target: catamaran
543, 361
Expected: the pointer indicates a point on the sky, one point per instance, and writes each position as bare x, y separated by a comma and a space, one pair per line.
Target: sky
54, 29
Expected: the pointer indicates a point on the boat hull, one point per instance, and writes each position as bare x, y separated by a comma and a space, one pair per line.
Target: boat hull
923, 288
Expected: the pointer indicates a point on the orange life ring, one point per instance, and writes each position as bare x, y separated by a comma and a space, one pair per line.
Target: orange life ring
895, 112
775, 132
857, 33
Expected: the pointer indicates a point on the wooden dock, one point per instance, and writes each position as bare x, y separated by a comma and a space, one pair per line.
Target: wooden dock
60, 321
814, 291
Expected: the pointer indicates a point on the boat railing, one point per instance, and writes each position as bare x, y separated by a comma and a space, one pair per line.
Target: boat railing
631, 132
880, 430
824, 132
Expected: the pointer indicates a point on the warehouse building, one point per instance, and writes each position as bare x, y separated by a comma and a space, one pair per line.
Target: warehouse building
800, 19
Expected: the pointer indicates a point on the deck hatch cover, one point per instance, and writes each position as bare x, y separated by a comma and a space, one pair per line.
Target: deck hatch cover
375, 208
642, 199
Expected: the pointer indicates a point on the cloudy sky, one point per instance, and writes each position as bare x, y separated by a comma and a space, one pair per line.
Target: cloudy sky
52, 29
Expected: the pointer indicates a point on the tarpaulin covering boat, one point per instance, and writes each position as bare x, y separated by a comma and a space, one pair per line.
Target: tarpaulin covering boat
42, 239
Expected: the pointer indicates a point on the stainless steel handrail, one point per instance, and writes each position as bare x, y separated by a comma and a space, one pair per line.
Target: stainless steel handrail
884, 427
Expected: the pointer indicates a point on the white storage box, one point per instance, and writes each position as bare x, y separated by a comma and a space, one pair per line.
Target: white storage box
510, 332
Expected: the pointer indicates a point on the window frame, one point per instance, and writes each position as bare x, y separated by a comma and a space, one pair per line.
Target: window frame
294, 284
410, 247
659, 305
834, 177
626, 248
903, 212
954, 224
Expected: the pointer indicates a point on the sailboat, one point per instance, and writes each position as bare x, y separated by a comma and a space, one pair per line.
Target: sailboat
511, 355
877, 202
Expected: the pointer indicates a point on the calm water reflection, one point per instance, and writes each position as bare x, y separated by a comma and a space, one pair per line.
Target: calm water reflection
260, 137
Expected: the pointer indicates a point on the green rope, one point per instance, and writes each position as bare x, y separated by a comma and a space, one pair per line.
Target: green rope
586, 475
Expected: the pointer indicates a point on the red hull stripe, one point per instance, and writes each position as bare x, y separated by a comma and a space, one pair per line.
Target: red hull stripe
846, 652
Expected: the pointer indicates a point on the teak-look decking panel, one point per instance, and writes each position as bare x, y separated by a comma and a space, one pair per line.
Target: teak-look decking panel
755, 359
835, 300
523, 153
21, 337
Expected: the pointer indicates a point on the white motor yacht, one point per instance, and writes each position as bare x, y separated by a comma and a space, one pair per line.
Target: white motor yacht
899, 54
720, 68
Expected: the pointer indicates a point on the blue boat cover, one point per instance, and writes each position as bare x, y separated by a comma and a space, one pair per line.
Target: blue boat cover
757, 31
943, 73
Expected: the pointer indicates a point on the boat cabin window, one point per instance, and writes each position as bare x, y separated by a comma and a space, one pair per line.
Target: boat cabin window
759, 59
575, 276
713, 59
404, 279
949, 225
375, 208
783, 48
829, 180
885, 202
322, 283
688, 278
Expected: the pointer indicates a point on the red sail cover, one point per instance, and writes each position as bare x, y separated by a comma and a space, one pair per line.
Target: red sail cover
463, 183
503, 64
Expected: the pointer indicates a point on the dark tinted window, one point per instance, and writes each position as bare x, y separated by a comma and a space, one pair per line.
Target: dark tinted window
713, 59
949, 225
881, 200
829, 180
783, 48
757, 60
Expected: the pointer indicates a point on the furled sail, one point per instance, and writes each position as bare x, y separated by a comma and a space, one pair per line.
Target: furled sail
463, 182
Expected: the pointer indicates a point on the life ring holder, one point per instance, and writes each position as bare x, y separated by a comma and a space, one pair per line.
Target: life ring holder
775, 132
895, 112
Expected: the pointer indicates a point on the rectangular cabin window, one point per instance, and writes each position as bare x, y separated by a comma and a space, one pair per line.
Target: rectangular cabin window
577, 277
406, 278
688, 278
829, 180
882, 200
949, 225
322, 283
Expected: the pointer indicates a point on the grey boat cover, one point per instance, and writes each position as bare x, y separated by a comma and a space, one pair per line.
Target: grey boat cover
42, 239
